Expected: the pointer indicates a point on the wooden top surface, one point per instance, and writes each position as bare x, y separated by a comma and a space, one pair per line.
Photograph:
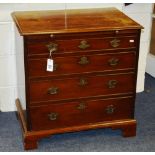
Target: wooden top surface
70, 21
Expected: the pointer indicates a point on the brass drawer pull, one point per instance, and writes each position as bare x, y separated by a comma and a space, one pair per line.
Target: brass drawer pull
81, 106
112, 83
115, 43
53, 116
83, 44
113, 62
83, 82
53, 90
110, 109
52, 47
83, 60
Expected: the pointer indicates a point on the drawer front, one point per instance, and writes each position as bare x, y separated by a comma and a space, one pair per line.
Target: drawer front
84, 86
78, 113
86, 44
81, 64
98, 34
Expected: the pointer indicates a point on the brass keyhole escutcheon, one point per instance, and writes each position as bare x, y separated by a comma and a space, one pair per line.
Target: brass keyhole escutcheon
83, 60
83, 44
83, 82
52, 47
81, 106
113, 62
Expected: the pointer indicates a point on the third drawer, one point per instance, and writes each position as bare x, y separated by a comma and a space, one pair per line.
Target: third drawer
81, 87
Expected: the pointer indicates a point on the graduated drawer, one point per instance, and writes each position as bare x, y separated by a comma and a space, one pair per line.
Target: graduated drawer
82, 64
81, 44
82, 112
82, 86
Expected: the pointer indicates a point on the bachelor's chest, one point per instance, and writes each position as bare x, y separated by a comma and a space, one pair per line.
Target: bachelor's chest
93, 80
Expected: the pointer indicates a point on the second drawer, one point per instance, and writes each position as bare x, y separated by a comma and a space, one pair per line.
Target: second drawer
85, 63
78, 87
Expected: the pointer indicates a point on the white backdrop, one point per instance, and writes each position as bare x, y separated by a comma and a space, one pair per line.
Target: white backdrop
8, 79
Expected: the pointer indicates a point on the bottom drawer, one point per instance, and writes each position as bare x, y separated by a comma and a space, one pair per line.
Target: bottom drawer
78, 113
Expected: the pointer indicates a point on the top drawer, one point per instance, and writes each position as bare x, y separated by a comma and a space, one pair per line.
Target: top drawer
81, 43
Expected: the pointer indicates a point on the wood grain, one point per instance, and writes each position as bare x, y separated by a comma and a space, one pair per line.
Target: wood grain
70, 88
71, 64
70, 21
31, 138
84, 91
70, 114
70, 45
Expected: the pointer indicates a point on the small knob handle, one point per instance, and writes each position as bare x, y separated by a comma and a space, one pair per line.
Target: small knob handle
115, 43
53, 116
117, 31
113, 62
83, 44
52, 35
110, 109
83, 60
53, 90
112, 83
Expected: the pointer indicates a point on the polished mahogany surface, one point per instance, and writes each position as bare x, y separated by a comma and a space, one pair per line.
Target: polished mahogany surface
103, 62
81, 87
93, 83
81, 112
67, 21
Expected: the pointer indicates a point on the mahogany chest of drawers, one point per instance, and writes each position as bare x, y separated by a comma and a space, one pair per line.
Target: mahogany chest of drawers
93, 81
